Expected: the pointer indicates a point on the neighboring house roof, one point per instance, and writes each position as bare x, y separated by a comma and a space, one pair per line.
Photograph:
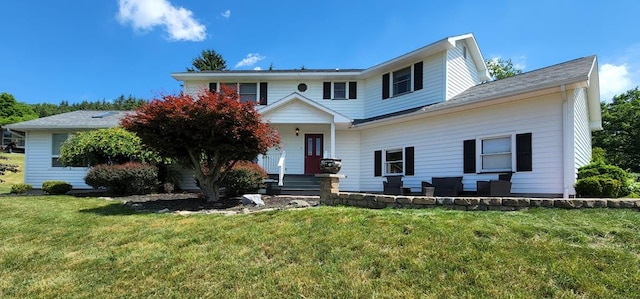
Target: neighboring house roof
387, 66
568, 75
81, 119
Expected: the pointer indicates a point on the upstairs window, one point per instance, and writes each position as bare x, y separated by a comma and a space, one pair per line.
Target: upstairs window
402, 81
340, 90
247, 92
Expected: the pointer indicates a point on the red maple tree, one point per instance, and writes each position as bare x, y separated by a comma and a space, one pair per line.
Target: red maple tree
209, 133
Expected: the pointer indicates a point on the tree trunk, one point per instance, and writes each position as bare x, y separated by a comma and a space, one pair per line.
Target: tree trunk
210, 188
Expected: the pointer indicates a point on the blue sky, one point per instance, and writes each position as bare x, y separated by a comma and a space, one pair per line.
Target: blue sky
78, 50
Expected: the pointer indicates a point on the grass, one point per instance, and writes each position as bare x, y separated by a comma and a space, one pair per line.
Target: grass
61, 246
11, 178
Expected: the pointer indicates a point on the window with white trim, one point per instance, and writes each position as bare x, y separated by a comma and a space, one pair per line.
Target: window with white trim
247, 92
402, 81
394, 162
496, 154
339, 90
56, 143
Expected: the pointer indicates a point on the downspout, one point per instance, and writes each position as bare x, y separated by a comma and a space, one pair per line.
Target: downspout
567, 144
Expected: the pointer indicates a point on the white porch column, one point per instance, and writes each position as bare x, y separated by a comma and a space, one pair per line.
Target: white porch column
333, 140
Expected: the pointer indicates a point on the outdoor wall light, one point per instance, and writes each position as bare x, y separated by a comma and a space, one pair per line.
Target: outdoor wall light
297, 131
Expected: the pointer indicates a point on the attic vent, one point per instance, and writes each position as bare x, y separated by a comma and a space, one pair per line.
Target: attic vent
103, 114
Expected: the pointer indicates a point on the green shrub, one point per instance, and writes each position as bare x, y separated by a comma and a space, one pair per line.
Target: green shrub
21, 188
244, 177
610, 187
128, 178
613, 180
56, 187
589, 187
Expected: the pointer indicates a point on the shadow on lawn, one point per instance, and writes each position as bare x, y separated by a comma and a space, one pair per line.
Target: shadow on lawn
112, 209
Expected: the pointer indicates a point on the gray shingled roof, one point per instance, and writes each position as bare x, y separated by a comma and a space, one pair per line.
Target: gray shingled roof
573, 71
81, 119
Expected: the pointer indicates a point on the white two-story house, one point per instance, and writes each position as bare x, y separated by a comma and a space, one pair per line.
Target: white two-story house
428, 113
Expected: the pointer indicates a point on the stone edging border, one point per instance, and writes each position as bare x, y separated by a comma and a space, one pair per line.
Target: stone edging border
378, 201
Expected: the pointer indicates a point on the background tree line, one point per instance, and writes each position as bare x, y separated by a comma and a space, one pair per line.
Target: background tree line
12, 111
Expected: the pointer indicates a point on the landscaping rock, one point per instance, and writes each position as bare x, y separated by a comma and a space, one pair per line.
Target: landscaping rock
515, 202
569, 203
299, 203
424, 200
255, 199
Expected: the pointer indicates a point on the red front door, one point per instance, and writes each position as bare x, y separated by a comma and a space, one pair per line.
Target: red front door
313, 147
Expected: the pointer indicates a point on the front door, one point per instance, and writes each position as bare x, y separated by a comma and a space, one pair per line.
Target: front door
313, 147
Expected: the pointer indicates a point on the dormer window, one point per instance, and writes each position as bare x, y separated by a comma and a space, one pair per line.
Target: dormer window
400, 82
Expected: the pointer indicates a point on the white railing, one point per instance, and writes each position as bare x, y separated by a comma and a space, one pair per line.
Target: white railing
281, 169
269, 162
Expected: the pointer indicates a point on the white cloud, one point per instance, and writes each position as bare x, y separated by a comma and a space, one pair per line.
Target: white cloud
226, 14
144, 15
257, 68
251, 59
614, 80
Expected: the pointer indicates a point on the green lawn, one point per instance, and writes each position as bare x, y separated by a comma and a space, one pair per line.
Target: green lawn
11, 178
61, 246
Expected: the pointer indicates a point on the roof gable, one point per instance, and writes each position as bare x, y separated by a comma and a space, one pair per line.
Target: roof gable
296, 97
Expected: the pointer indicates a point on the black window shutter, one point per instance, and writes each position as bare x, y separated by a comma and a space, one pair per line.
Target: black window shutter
469, 156
263, 93
417, 76
377, 163
409, 161
326, 90
213, 87
385, 86
524, 158
353, 90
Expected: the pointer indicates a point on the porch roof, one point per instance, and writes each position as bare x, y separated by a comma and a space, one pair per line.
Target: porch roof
296, 97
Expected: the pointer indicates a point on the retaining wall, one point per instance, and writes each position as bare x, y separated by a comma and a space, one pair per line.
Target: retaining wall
378, 201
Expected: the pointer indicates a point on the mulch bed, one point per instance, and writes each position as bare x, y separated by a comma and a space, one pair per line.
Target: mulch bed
194, 202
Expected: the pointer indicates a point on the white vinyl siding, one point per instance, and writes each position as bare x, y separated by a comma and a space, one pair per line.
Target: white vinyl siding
433, 90
582, 133
438, 142
297, 112
348, 149
38, 157
461, 72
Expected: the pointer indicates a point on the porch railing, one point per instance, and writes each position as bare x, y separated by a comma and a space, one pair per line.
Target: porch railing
271, 162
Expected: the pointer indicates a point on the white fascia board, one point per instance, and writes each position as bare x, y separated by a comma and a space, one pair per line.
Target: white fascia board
593, 97
266, 75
